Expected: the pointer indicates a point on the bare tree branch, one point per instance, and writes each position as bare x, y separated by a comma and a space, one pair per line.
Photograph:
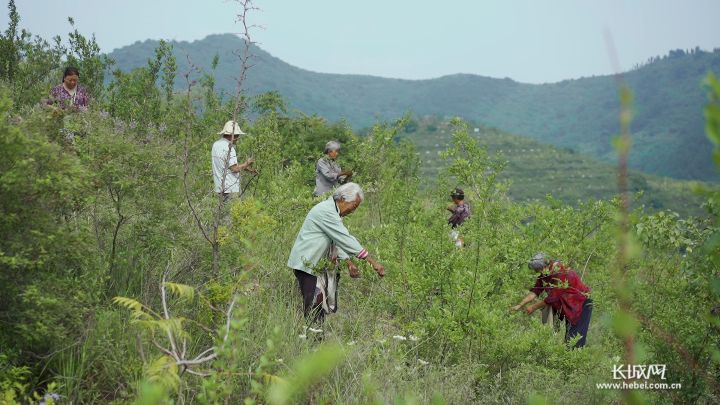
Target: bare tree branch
204, 353
229, 319
186, 148
246, 6
166, 312
198, 373
196, 361
164, 350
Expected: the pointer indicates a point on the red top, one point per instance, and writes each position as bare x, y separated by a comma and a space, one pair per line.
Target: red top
566, 293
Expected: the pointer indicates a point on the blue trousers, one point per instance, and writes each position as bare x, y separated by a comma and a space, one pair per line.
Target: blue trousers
581, 328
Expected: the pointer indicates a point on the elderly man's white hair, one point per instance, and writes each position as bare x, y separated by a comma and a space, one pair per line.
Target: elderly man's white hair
348, 192
332, 145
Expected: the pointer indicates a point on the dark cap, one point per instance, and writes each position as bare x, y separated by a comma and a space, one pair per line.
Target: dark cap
458, 193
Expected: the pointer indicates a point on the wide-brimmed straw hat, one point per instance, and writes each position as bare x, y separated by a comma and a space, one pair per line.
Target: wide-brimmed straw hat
231, 128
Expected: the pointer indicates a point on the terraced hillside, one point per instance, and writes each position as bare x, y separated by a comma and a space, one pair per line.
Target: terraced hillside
535, 170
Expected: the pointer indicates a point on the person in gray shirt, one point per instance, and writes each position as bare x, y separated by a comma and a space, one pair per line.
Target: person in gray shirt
327, 172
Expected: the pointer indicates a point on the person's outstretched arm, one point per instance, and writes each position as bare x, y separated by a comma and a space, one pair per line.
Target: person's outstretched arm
531, 296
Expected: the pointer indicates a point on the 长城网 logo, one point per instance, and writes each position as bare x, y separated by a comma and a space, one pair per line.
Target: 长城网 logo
639, 377
638, 371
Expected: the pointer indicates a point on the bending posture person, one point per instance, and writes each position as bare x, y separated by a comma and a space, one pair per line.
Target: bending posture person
566, 294
327, 172
225, 167
323, 236
69, 94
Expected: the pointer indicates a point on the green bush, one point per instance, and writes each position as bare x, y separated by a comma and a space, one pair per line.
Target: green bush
117, 203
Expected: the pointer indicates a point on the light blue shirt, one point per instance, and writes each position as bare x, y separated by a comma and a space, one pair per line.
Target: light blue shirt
223, 156
322, 230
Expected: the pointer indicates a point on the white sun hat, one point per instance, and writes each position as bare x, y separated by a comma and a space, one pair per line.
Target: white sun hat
231, 128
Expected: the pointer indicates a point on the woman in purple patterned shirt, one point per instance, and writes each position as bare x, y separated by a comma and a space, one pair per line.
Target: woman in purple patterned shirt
69, 94
460, 212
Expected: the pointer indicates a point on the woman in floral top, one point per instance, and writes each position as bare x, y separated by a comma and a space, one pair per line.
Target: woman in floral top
69, 94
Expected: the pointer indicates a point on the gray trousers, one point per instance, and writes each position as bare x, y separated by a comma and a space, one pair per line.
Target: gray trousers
549, 318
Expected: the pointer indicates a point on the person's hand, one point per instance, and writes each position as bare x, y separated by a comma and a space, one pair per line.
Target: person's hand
247, 166
530, 309
379, 269
516, 307
56, 111
346, 173
354, 271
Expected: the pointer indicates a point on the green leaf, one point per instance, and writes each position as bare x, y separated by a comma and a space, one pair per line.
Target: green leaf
537, 399
164, 371
716, 286
621, 144
181, 290
437, 399
309, 370
151, 394
128, 303
624, 324
173, 325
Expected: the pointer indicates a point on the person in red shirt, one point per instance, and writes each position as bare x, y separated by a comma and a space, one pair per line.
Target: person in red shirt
566, 295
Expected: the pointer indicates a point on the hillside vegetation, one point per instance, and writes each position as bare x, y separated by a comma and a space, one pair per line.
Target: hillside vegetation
535, 170
124, 279
581, 114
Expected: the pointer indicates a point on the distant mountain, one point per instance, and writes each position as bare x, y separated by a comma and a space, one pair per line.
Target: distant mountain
582, 114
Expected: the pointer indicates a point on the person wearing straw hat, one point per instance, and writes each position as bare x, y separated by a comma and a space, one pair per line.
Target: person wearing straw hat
327, 172
225, 167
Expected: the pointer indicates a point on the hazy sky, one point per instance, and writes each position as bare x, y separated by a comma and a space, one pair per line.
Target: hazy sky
527, 40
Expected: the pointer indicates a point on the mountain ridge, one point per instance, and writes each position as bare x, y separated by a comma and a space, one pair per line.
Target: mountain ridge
581, 113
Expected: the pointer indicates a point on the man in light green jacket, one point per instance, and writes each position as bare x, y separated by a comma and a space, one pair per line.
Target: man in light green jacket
323, 236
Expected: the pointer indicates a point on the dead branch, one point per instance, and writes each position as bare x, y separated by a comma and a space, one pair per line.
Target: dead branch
229, 319
186, 149
166, 312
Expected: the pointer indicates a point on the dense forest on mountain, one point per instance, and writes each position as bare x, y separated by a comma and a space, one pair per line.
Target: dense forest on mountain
123, 279
580, 114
